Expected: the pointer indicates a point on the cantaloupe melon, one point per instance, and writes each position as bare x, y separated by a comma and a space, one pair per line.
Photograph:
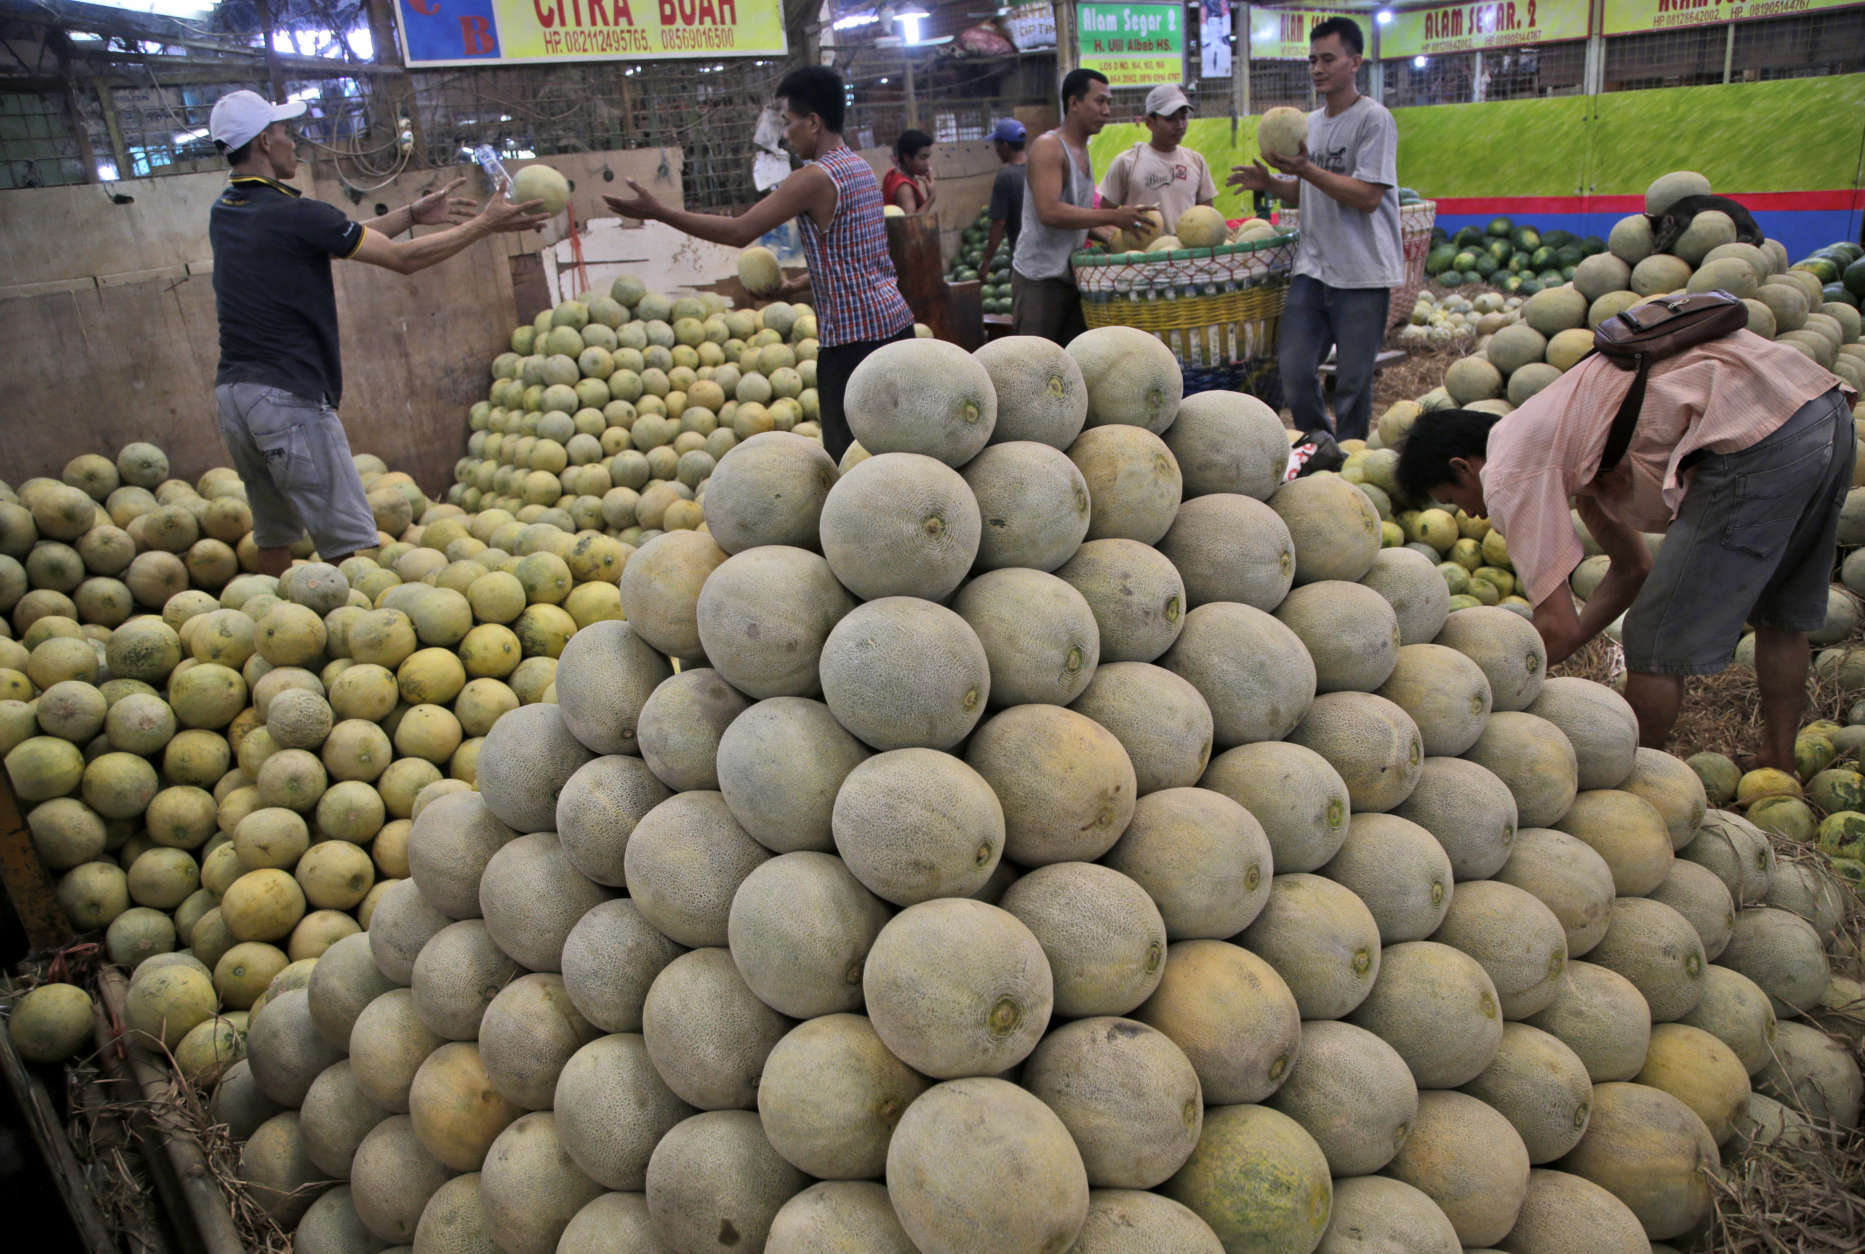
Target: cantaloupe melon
1625, 830
1160, 719
780, 766
1445, 693
1566, 1212
611, 1108
1228, 547
831, 1094
530, 897
1067, 786
1781, 952
764, 614
1465, 1157
1650, 1151
336, 1116
530, 1188
1282, 131
927, 397
1038, 633
1041, 395
899, 524
905, 647
1398, 871
1200, 856
1352, 1092
1699, 1070
683, 862
1131, 377
274, 1167
1258, 1180
1250, 668
660, 590
1541, 1086
1508, 649
1535, 761
284, 1049
707, 1032
1426, 987
1695, 892
455, 1109
1350, 633
1133, 481
799, 928
1814, 1073
1334, 527
1322, 941
1736, 851
957, 987
1228, 442
1370, 741
1102, 934
1298, 797
1032, 503
1233, 1016
1598, 723
51, 1022
1118, 1218
1137, 596
1140, 1120
1470, 812
1656, 948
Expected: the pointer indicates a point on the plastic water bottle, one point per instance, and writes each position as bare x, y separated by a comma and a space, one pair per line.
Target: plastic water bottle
495, 169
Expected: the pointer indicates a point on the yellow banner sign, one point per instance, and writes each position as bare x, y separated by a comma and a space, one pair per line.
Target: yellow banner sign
1634, 17
506, 32
1448, 28
1282, 34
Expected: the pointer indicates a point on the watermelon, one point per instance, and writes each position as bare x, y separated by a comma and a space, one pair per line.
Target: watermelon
1527, 238
1855, 277
1500, 226
1438, 260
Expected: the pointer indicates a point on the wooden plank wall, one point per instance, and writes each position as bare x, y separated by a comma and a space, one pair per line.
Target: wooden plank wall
113, 336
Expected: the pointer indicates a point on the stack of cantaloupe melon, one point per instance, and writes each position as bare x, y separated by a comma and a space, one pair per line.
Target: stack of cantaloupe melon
610, 412
220, 767
1057, 834
1512, 362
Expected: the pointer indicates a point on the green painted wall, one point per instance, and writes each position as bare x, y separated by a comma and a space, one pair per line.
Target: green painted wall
1795, 134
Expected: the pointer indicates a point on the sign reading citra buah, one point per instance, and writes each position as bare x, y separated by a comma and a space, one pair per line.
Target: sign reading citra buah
524, 32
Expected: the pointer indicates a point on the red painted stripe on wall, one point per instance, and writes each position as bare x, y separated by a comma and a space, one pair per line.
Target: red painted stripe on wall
1842, 199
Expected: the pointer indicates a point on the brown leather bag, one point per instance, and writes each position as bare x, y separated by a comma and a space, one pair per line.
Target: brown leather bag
1653, 331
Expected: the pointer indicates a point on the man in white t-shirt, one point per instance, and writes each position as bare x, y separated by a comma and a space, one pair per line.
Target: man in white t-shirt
1345, 180
1160, 171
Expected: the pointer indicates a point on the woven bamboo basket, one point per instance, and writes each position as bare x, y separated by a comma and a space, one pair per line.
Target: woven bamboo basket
1216, 308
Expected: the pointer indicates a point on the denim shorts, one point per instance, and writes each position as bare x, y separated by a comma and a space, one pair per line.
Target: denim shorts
291, 453
1753, 542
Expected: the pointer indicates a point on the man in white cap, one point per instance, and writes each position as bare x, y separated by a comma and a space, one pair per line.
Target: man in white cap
280, 375
1159, 171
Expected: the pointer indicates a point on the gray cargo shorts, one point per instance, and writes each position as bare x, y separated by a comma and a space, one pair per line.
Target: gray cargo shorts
1753, 542
292, 455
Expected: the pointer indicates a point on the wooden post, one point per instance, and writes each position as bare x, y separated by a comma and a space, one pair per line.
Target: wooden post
1239, 65
42, 1119
119, 151
913, 100
28, 885
273, 72
1068, 49
74, 113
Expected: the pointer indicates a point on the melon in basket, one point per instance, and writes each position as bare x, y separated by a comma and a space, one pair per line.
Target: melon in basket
1201, 226
1126, 241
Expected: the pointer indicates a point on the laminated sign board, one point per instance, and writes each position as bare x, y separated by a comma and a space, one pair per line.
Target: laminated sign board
1135, 45
527, 32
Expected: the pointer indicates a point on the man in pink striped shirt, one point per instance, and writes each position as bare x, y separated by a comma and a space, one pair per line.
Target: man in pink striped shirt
1742, 456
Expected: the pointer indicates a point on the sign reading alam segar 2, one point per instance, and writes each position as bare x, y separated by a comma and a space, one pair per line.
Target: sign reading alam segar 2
529, 32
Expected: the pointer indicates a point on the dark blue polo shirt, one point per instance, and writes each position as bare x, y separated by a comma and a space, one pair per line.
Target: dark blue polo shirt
272, 286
